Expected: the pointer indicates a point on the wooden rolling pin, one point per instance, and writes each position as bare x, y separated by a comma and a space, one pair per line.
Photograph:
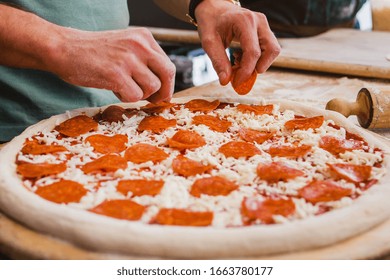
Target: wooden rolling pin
372, 107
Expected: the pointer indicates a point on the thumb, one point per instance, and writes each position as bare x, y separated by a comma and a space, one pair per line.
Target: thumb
215, 49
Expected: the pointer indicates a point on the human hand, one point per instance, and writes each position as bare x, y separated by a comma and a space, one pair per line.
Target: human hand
221, 22
129, 62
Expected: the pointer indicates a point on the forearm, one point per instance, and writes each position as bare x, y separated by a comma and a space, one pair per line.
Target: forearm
26, 41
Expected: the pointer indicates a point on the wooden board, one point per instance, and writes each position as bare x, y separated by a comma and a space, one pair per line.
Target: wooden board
340, 51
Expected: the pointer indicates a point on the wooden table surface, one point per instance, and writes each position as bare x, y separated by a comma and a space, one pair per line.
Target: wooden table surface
344, 50
20, 242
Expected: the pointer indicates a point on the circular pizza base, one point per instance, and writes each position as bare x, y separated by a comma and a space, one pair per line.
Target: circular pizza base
104, 234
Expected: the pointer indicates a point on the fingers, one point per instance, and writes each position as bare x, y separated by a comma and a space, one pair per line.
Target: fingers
154, 82
129, 91
165, 70
145, 69
215, 49
251, 52
251, 29
259, 45
270, 48
146, 80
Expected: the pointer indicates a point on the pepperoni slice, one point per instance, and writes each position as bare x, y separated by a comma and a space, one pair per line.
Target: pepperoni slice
338, 146
353, 136
304, 123
156, 124
277, 171
120, 209
38, 170
180, 217
115, 113
256, 109
253, 209
107, 163
223, 105
157, 108
323, 191
245, 87
64, 191
290, 151
34, 148
368, 184
140, 187
188, 167
350, 172
107, 144
348, 135
239, 149
186, 139
142, 152
255, 136
76, 126
214, 186
201, 105
214, 123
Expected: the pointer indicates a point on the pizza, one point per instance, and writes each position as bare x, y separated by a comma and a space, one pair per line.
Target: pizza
197, 178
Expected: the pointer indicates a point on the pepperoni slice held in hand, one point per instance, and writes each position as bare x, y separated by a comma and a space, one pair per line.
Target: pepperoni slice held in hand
140, 187
304, 123
350, 172
245, 87
157, 108
107, 163
38, 170
255, 136
237, 149
289, 151
77, 126
277, 171
186, 139
180, 217
253, 209
256, 109
142, 152
323, 191
338, 146
187, 167
34, 148
213, 186
214, 123
107, 144
201, 105
64, 191
120, 209
155, 124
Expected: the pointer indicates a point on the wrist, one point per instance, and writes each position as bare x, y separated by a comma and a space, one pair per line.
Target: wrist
210, 8
193, 6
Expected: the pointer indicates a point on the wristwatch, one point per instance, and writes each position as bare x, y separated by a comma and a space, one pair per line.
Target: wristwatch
194, 3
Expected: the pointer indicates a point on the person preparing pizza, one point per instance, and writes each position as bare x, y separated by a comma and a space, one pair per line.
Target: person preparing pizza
58, 56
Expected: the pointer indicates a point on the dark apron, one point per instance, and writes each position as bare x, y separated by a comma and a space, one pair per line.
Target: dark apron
300, 18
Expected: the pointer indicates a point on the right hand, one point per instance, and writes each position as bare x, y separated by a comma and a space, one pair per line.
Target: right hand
129, 62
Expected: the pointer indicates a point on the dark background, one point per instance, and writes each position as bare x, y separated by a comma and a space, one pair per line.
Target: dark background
146, 13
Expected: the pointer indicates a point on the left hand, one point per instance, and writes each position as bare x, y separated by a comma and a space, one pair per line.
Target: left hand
221, 22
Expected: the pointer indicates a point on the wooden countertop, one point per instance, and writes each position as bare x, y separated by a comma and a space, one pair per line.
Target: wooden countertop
342, 51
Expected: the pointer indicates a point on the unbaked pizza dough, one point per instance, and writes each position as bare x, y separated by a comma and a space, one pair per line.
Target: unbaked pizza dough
104, 234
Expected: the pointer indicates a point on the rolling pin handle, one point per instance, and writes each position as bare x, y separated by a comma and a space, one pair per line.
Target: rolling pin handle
343, 106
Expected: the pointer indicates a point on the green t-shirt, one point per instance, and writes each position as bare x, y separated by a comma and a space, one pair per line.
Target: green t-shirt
27, 96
